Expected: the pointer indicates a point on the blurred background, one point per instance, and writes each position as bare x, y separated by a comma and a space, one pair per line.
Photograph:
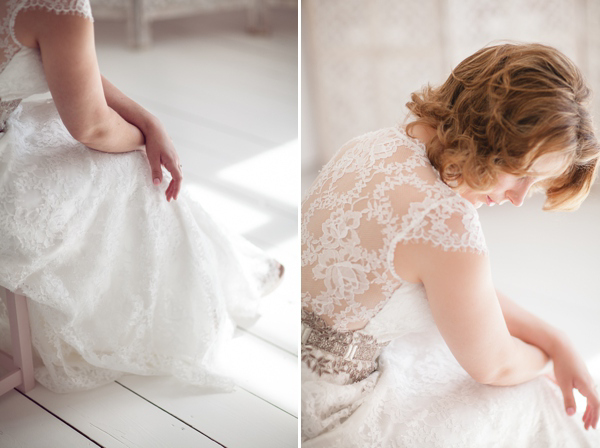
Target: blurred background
222, 76
362, 59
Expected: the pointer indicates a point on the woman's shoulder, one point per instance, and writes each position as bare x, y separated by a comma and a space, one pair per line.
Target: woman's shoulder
427, 208
373, 150
387, 157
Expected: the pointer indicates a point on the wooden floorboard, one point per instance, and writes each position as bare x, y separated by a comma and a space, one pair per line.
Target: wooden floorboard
237, 420
252, 103
263, 369
114, 417
24, 424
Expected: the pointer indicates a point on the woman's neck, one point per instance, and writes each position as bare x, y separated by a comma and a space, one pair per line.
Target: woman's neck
423, 133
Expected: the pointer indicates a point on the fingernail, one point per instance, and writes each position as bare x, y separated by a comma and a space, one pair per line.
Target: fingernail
570, 411
156, 181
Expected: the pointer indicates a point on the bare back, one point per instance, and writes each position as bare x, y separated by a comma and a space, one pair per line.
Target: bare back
379, 190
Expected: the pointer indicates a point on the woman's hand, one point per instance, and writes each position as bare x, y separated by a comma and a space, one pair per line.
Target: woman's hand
571, 373
160, 151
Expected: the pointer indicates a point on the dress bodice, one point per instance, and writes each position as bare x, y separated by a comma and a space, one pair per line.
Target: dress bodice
407, 311
378, 191
23, 76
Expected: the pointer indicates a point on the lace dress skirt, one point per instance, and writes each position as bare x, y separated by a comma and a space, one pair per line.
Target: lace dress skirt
119, 279
418, 396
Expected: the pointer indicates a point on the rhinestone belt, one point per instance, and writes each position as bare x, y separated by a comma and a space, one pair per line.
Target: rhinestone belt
7, 108
350, 345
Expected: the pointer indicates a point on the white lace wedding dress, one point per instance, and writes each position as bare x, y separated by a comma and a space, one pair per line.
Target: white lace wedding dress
119, 279
375, 370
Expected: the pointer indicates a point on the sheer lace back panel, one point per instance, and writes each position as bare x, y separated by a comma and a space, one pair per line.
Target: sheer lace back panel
21, 71
379, 190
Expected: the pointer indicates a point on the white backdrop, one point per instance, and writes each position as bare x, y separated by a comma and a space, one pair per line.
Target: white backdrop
362, 58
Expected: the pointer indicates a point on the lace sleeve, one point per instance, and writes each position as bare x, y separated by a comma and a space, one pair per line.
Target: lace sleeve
450, 223
378, 190
77, 7
9, 44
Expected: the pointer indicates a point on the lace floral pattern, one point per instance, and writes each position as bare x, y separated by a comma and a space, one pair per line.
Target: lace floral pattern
378, 191
119, 280
420, 397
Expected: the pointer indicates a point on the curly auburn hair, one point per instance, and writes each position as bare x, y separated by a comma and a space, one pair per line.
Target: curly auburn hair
501, 109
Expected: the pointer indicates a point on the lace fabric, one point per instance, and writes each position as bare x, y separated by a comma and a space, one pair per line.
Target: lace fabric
420, 397
379, 190
119, 280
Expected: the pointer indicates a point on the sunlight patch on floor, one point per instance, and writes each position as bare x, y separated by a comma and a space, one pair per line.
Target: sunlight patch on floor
273, 173
240, 218
260, 368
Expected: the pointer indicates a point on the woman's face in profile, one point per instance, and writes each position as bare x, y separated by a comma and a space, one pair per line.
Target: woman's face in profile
514, 189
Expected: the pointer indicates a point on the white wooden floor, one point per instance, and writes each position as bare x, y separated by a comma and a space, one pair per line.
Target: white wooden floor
229, 100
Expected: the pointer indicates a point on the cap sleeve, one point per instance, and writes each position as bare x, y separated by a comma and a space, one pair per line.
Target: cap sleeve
450, 223
77, 7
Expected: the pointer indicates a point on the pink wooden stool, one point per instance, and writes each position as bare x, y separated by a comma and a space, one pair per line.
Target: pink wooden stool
20, 364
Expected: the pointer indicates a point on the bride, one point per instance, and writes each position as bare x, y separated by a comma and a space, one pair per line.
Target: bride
123, 272
405, 341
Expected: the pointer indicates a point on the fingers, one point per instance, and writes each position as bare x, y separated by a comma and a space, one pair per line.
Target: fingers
170, 192
161, 152
173, 166
567, 392
592, 411
154, 160
590, 417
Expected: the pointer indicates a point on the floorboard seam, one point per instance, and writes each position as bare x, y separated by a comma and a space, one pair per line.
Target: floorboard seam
61, 419
267, 401
172, 415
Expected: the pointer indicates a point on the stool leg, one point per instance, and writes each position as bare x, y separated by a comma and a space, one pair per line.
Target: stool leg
18, 316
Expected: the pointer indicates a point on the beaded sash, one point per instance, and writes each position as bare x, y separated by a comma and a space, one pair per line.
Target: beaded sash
327, 351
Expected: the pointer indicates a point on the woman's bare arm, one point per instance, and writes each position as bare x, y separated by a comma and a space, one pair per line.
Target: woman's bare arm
467, 312
528, 327
159, 147
66, 44
569, 368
